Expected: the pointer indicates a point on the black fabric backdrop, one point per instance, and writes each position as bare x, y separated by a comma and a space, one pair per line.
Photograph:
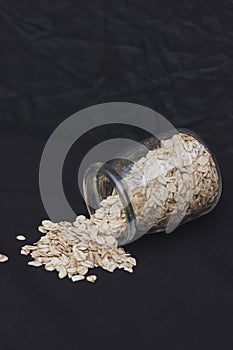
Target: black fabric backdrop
58, 57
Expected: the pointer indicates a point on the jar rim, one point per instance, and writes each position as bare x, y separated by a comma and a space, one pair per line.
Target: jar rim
118, 183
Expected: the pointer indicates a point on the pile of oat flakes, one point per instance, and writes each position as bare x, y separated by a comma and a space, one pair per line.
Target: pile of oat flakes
73, 249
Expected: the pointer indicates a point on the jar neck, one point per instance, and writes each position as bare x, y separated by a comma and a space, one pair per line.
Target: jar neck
100, 176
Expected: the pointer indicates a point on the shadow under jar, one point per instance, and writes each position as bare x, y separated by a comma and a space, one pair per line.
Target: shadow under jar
160, 184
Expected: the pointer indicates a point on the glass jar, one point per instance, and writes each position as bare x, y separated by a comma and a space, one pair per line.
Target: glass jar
161, 183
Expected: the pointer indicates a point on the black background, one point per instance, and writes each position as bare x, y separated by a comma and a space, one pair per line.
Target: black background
58, 57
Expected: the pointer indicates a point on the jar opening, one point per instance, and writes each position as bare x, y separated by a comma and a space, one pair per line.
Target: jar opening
107, 182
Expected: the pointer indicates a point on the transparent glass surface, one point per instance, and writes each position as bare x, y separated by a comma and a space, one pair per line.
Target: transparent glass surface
162, 183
